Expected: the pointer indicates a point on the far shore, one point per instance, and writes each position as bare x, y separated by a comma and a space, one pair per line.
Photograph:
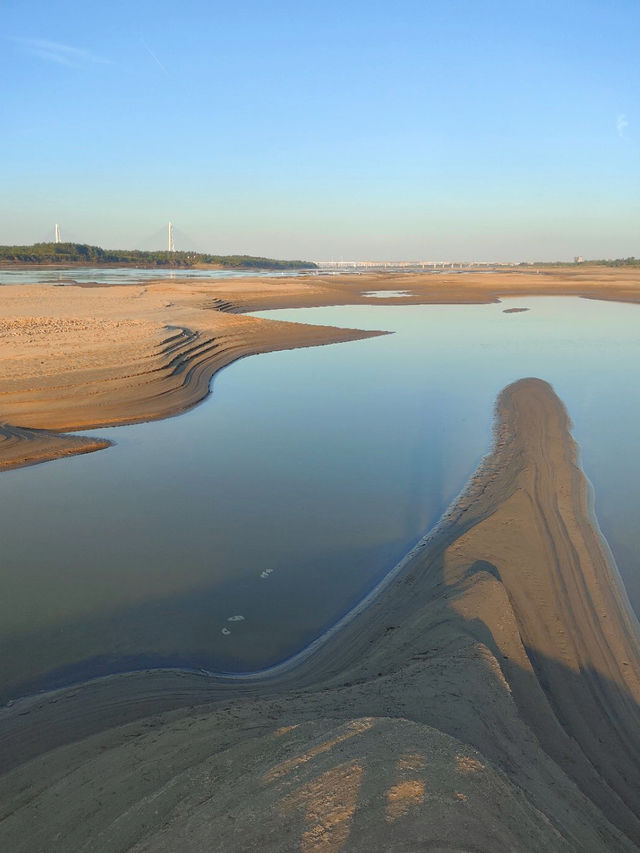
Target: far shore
21, 265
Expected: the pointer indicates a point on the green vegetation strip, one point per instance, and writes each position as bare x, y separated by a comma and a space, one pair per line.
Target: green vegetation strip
73, 253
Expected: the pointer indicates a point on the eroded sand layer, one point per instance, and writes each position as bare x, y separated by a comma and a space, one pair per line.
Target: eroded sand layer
488, 699
73, 358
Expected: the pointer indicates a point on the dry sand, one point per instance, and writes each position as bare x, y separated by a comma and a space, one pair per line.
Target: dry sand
75, 358
488, 699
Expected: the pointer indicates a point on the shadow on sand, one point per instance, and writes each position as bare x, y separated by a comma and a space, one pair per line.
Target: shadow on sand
486, 700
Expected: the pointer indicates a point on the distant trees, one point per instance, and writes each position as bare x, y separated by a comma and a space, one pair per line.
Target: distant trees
616, 262
72, 253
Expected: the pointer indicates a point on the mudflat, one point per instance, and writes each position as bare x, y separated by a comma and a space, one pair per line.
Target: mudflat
486, 697
80, 357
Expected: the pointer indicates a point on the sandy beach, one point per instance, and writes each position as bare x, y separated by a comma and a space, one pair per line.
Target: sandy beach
488, 698
81, 357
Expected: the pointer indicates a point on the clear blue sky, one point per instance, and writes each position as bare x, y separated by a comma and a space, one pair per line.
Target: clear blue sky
452, 129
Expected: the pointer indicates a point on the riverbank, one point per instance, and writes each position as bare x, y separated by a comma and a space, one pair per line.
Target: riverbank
80, 357
488, 698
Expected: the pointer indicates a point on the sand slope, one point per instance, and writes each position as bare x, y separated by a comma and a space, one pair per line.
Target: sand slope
487, 699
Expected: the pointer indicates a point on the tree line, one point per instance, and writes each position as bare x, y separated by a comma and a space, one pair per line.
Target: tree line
602, 262
72, 253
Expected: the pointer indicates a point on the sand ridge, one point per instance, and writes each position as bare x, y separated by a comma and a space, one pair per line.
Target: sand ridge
488, 699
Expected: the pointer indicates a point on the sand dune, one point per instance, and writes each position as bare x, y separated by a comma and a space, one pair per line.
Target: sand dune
486, 699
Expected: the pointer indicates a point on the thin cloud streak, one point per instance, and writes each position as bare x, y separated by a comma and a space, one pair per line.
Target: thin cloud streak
621, 123
153, 56
61, 54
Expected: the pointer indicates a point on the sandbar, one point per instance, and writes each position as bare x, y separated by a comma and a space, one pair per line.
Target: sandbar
487, 697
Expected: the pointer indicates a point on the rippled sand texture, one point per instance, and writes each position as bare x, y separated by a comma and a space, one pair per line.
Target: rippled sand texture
79, 358
488, 699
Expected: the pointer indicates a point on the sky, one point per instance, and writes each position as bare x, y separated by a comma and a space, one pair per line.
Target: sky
405, 130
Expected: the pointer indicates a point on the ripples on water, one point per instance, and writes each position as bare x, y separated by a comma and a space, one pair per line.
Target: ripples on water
230, 536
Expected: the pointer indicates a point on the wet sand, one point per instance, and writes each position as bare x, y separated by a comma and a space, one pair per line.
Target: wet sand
81, 357
487, 698
20, 447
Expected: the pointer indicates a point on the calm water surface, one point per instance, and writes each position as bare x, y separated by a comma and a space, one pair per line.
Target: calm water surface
385, 294
299, 482
126, 275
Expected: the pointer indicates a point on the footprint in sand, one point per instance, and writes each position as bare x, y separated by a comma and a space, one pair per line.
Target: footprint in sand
266, 573
226, 632
235, 619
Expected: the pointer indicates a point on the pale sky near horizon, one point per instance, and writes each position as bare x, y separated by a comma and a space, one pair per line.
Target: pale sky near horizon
409, 130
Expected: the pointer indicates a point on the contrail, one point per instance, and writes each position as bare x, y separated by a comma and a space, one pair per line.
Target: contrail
55, 51
153, 56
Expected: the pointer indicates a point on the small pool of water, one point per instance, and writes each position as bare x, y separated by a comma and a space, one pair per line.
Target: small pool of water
296, 485
386, 294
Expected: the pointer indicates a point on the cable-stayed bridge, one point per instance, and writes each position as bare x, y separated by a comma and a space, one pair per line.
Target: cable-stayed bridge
168, 238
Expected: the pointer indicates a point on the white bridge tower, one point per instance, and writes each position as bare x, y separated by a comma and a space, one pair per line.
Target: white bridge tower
56, 238
170, 242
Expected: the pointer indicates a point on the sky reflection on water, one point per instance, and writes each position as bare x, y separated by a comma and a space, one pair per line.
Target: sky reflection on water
302, 479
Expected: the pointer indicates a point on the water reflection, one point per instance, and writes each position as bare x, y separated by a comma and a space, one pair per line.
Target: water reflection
292, 489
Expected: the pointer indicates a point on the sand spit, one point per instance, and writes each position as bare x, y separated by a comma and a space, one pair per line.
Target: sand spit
80, 357
488, 700
19, 447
